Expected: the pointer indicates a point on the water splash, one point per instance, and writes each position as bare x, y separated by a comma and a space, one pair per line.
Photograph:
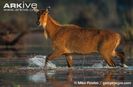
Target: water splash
39, 61
102, 65
123, 65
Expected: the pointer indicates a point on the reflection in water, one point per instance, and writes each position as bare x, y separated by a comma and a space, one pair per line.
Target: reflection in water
101, 77
70, 78
38, 77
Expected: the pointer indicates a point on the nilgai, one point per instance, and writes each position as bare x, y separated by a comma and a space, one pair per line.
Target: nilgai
72, 39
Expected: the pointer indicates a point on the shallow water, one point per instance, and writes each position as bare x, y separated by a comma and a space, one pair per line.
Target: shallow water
17, 73
87, 71
96, 75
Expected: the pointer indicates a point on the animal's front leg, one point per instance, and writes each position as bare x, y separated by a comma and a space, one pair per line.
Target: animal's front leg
54, 55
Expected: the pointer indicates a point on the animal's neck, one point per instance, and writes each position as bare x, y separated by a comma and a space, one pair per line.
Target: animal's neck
52, 27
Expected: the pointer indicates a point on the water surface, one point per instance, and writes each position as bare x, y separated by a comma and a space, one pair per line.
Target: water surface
87, 71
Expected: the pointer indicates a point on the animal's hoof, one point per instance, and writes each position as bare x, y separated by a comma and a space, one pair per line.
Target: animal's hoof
70, 68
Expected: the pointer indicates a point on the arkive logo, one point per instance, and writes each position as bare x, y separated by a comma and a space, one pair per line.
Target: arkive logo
19, 6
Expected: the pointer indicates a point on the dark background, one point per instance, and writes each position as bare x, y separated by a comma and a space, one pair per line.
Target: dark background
19, 32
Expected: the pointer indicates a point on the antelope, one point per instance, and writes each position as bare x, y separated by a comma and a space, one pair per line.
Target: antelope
72, 39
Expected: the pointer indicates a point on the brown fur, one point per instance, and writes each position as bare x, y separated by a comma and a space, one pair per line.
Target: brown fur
69, 39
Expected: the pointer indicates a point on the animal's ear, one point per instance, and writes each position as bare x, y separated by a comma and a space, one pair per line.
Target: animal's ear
47, 9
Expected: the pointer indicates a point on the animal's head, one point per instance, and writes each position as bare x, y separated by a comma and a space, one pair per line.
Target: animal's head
42, 16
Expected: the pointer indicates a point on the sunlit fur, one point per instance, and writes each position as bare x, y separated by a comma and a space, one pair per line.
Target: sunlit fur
72, 39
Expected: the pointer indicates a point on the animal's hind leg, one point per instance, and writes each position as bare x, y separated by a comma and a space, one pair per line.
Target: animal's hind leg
112, 63
69, 60
121, 55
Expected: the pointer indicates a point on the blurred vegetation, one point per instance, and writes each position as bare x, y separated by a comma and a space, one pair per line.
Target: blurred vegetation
128, 32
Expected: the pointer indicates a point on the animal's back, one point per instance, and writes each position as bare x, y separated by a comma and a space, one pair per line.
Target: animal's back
77, 40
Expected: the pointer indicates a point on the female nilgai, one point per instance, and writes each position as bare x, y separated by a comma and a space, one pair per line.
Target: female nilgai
72, 39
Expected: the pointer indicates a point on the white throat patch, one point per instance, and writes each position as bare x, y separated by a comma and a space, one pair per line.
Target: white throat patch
45, 34
44, 25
